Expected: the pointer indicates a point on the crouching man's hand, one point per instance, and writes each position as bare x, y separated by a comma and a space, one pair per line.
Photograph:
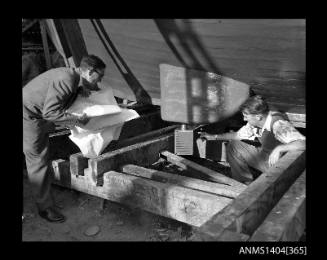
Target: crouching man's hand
204, 135
275, 155
83, 119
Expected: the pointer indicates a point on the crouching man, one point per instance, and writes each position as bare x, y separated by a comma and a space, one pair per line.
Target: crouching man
271, 131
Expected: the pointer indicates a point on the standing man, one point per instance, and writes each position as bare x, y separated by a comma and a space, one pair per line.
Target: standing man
274, 133
45, 101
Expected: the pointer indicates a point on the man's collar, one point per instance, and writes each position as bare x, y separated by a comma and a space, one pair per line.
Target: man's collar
80, 83
267, 123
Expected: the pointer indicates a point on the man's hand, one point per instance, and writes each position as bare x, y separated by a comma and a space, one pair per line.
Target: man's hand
275, 155
204, 135
83, 119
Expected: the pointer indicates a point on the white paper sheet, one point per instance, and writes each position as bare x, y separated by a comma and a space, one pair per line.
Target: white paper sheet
107, 120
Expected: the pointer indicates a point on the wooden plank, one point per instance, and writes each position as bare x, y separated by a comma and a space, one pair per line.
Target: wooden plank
192, 166
297, 120
143, 154
172, 201
29, 25
286, 221
226, 236
60, 34
143, 124
78, 162
74, 38
61, 147
215, 188
61, 172
211, 149
45, 44
249, 209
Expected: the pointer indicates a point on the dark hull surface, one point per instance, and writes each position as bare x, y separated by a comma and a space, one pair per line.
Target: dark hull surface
269, 55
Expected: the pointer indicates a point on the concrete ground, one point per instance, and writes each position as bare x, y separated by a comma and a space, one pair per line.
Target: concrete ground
85, 214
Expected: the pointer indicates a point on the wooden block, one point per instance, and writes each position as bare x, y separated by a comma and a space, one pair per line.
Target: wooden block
29, 25
297, 120
286, 221
215, 188
211, 149
45, 44
61, 172
186, 205
192, 166
138, 125
143, 154
78, 162
250, 208
74, 38
226, 236
145, 136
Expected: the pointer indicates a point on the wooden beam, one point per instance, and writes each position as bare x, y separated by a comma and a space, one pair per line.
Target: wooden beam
143, 154
60, 34
130, 129
211, 149
75, 40
297, 120
286, 221
29, 25
215, 188
186, 205
226, 236
141, 125
200, 170
78, 162
61, 172
146, 136
58, 40
249, 209
45, 44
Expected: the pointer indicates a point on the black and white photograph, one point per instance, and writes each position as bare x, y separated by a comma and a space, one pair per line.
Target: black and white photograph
165, 130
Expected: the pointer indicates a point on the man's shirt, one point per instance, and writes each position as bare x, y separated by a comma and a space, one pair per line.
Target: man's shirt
283, 131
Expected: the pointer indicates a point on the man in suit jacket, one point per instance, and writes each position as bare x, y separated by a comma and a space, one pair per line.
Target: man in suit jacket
45, 101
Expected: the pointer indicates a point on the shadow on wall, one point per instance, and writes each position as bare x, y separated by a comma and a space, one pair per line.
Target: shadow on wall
140, 94
192, 55
186, 45
196, 93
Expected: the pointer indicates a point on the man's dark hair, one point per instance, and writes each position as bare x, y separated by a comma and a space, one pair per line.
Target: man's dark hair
255, 105
92, 62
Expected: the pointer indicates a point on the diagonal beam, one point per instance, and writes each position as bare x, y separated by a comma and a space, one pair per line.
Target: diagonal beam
200, 170
143, 154
78, 162
186, 205
28, 26
249, 209
286, 221
210, 187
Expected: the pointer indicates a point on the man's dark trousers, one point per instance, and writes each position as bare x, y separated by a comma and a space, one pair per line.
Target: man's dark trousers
241, 155
36, 150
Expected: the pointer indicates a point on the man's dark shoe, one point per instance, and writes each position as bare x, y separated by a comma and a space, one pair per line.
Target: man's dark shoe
52, 215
